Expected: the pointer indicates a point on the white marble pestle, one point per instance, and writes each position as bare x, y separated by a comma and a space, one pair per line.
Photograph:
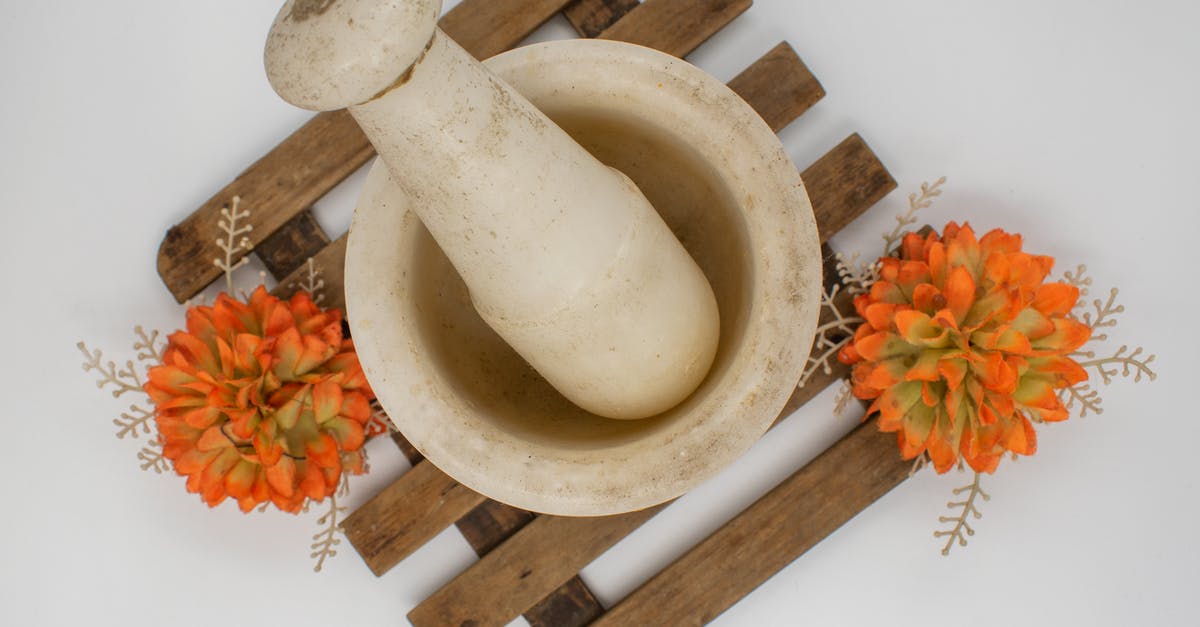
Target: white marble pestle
564, 257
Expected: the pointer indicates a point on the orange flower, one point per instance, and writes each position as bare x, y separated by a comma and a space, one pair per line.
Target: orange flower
963, 343
261, 401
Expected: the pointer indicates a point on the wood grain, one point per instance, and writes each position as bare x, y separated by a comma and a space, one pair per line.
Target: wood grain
491, 524
410, 511
519, 573
781, 85
676, 27
486, 28
770, 534
291, 177
850, 175
284, 251
589, 18
571, 605
331, 263
409, 451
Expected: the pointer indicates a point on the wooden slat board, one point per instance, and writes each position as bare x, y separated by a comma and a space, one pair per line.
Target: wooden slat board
592, 17
286, 181
529, 563
485, 28
675, 26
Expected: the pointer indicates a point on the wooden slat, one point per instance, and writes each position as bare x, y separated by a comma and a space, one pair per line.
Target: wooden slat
289, 178
676, 27
409, 451
382, 554
486, 28
520, 573
323, 152
792, 87
770, 534
591, 17
291, 246
851, 175
401, 518
491, 524
331, 263
571, 605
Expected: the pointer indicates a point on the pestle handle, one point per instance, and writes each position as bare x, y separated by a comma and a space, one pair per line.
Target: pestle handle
563, 257
324, 55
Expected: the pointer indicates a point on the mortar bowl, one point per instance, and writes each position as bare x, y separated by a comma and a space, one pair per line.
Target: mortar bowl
720, 179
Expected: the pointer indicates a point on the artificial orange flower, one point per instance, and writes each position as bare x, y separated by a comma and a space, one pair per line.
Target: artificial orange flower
261, 401
963, 343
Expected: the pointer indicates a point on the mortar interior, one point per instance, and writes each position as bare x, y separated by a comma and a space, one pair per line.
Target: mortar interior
500, 386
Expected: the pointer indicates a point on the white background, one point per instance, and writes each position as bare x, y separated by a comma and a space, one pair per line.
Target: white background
1075, 123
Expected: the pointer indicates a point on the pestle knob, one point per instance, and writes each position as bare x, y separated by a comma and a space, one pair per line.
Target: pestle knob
563, 257
329, 54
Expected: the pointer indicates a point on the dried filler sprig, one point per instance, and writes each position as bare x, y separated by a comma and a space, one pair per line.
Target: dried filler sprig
916, 202
326, 540
831, 336
234, 242
312, 283
967, 510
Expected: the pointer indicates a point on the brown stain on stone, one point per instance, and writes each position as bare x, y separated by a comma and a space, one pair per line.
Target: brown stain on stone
406, 76
304, 9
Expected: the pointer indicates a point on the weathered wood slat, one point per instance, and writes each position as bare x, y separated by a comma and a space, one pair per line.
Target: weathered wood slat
571, 605
591, 17
520, 573
784, 76
675, 26
331, 263
485, 28
409, 451
364, 527
770, 534
855, 178
290, 247
291, 177
406, 514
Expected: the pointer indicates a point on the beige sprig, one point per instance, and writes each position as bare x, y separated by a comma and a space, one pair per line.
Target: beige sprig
904, 221
968, 509
234, 242
831, 336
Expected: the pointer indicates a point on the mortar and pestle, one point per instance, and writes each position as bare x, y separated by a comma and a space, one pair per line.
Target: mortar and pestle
583, 276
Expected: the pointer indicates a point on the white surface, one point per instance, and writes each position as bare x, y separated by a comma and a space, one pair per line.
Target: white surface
1071, 122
